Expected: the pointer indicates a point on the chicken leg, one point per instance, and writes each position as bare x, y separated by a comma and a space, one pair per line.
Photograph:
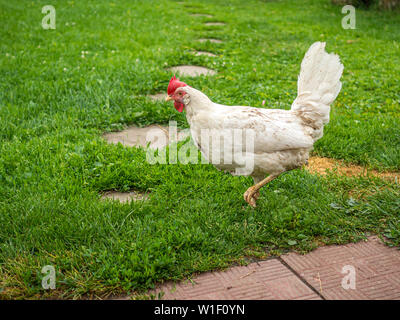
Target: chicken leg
252, 193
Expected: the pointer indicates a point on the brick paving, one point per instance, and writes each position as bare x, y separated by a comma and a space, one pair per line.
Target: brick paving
377, 270
314, 276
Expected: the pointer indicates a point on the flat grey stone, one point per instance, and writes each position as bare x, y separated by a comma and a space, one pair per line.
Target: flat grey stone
192, 71
214, 24
158, 136
201, 15
209, 39
125, 196
204, 53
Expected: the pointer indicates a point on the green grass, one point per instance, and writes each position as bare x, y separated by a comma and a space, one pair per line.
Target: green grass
55, 104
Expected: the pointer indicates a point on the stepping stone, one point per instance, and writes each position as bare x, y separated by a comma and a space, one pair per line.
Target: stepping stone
158, 136
201, 15
158, 96
192, 71
124, 197
211, 40
214, 24
204, 53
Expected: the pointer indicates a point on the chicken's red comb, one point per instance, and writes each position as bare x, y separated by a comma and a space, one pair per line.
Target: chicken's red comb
174, 84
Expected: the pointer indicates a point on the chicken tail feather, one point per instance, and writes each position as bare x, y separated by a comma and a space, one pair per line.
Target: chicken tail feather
317, 87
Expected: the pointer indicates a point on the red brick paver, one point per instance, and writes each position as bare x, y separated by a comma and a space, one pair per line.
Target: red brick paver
315, 275
376, 267
268, 279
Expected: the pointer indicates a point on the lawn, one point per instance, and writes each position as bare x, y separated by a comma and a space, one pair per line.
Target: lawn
61, 89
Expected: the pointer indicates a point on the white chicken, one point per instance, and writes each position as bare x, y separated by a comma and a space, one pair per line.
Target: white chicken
281, 140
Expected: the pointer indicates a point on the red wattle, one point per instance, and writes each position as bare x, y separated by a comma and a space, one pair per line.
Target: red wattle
179, 106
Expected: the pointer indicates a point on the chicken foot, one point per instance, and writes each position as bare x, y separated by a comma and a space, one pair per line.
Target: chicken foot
252, 193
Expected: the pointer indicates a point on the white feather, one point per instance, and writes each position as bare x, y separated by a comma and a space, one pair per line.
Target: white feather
318, 86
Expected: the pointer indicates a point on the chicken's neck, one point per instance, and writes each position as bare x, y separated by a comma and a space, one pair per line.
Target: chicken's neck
198, 103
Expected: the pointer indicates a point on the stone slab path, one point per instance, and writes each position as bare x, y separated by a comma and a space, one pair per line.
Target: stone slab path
214, 24
204, 53
209, 39
124, 196
192, 71
201, 15
156, 135
325, 273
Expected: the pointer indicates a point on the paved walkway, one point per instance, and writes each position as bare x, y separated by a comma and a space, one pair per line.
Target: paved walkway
314, 276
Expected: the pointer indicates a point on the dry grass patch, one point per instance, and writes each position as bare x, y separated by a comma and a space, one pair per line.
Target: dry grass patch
322, 165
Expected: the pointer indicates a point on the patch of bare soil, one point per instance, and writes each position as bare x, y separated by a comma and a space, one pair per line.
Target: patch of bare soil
321, 165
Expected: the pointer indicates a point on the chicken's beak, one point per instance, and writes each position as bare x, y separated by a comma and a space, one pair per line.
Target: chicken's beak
168, 98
